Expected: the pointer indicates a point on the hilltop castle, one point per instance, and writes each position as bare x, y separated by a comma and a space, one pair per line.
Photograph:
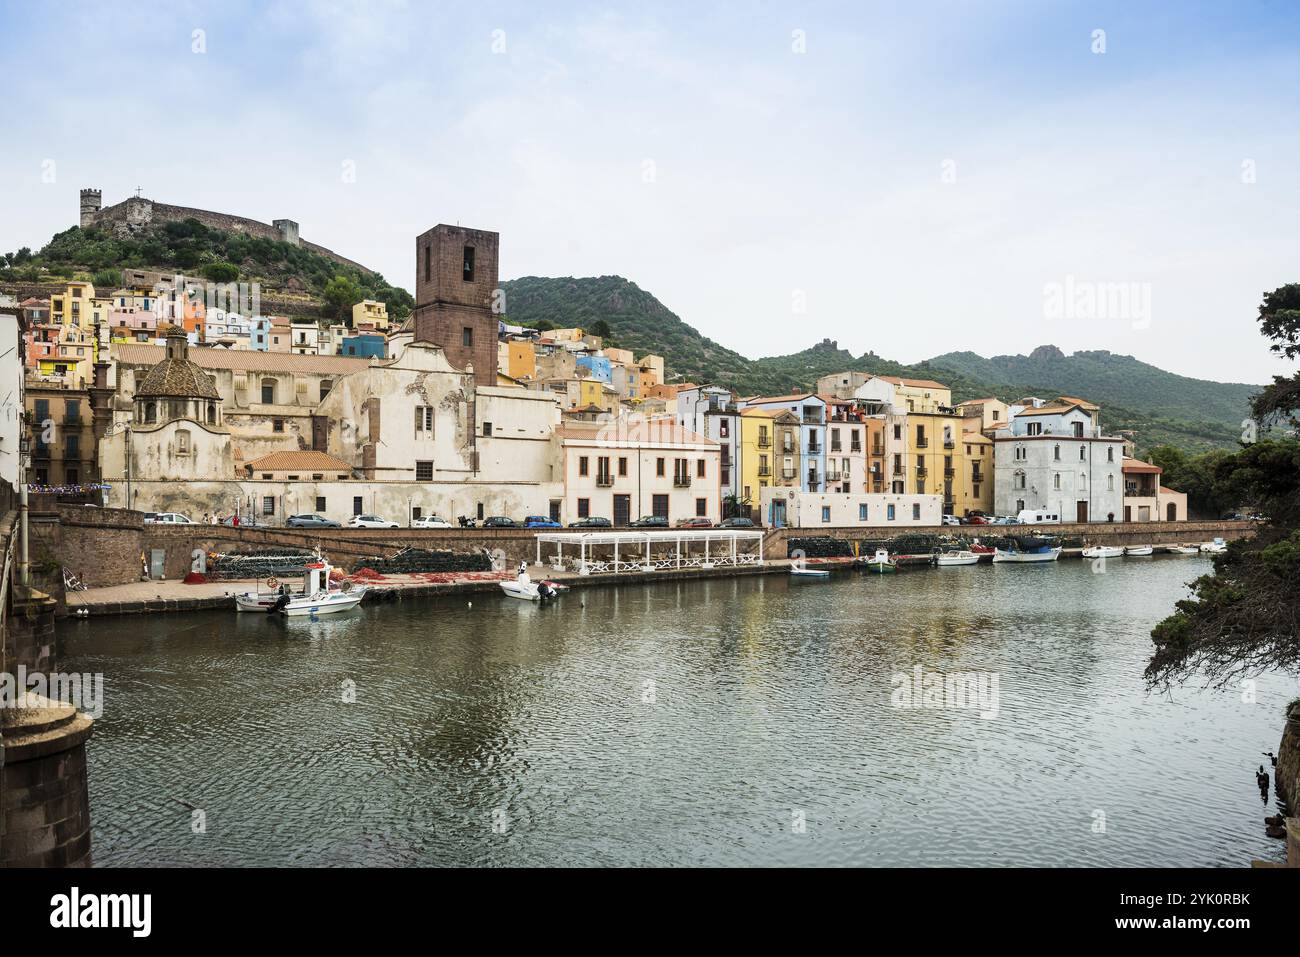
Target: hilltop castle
136, 213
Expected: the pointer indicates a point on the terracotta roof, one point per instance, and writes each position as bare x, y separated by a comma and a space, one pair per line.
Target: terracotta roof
1050, 409
178, 377
976, 437
241, 360
1137, 465
1074, 400
915, 383
1170, 491
305, 461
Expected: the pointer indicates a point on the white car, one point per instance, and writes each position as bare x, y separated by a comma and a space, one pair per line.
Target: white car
951, 520
370, 521
168, 518
430, 521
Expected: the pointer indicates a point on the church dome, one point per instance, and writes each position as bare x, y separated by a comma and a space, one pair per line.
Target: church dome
177, 376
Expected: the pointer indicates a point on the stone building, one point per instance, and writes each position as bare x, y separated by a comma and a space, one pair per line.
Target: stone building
455, 282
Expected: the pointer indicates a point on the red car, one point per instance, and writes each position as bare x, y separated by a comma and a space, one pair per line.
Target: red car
978, 520
697, 522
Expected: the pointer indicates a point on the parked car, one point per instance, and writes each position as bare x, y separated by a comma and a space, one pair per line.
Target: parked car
243, 521
649, 521
979, 520
1004, 520
592, 521
370, 521
309, 520
698, 521
736, 522
540, 521
430, 521
499, 521
950, 520
168, 518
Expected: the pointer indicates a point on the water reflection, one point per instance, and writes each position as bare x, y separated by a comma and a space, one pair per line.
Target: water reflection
678, 723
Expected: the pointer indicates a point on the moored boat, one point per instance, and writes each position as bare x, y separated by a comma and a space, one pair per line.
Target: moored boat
525, 589
804, 572
1028, 550
1103, 551
1214, 547
880, 563
316, 596
1137, 551
956, 557
1183, 550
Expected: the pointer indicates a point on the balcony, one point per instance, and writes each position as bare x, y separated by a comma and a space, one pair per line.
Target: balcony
855, 447
948, 473
922, 443
814, 450
898, 469
604, 480
922, 470
681, 481
764, 471
833, 476
836, 447
949, 444
764, 442
877, 450
789, 475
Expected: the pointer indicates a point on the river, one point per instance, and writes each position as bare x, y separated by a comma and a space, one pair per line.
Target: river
747, 721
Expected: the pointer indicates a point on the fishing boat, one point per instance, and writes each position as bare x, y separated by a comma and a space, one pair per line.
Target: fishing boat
880, 563
316, 597
982, 552
1137, 551
1028, 550
1214, 547
957, 557
804, 572
1103, 551
1183, 550
525, 589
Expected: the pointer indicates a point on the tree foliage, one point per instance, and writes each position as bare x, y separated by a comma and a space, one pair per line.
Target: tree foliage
1245, 617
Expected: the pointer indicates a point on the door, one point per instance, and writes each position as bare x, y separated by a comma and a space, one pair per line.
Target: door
660, 506
622, 509
1128, 513
1080, 511
555, 510
778, 513
157, 563
1171, 512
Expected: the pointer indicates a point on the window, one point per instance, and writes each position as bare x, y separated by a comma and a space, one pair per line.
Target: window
71, 476
1034, 428
659, 467
428, 264
267, 475
724, 428
150, 411
1110, 454
889, 512
325, 386
72, 411
467, 337
1018, 480
1056, 480
584, 507
916, 511
862, 512
356, 505
268, 390
701, 507
467, 265
699, 468
826, 514
277, 425
424, 471
487, 428
423, 421
898, 432
659, 506
316, 478
1110, 483
268, 505
976, 489
320, 504
622, 465
582, 464
182, 442
1056, 453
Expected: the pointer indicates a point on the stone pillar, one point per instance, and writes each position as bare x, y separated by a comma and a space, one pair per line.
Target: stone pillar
44, 801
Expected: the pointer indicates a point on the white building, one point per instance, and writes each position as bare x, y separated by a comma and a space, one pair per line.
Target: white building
1053, 457
788, 507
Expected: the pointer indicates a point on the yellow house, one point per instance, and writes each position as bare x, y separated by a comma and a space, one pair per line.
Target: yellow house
975, 494
369, 312
757, 453
73, 307
935, 464
521, 359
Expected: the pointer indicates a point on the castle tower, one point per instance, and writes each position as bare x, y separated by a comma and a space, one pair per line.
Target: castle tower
91, 201
288, 230
455, 280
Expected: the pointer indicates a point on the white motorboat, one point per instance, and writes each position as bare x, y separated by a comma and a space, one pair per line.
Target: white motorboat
1139, 550
1015, 555
315, 597
1183, 550
1214, 547
803, 571
525, 589
1103, 551
958, 557
881, 563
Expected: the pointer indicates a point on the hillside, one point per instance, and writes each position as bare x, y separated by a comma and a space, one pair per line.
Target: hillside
1162, 407
189, 247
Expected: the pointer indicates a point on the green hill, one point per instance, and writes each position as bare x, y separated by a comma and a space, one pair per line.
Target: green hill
190, 247
1163, 408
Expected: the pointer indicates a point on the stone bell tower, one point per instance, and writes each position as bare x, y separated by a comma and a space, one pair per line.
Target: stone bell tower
91, 201
455, 281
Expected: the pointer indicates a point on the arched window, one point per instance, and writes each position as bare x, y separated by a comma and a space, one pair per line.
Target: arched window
1110, 483
268, 392
1056, 452
1110, 454
1083, 452
1019, 479
150, 411
1083, 480
1056, 480
212, 412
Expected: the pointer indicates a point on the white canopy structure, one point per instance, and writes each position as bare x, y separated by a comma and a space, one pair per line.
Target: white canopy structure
632, 550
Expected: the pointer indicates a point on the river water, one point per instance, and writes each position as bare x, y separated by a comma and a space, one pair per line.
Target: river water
748, 721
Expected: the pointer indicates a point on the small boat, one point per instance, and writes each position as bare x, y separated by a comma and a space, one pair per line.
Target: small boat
881, 563
1214, 547
983, 552
1103, 551
1028, 550
1137, 551
803, 571
316, 597
957, 557
526, 589
1183, 550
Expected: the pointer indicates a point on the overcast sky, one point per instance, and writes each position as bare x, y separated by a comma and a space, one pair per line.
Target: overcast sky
912, 181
